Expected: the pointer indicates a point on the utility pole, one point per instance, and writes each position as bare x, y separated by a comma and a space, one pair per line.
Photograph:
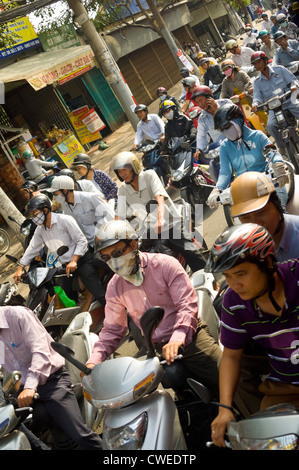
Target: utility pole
7, 208
106, 61
166, 34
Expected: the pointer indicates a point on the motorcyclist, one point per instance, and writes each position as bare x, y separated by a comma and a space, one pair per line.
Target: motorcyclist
240, 55
88, 209
36, 167
235, 81
162, 93
259, 303
177, 125
56, 230
212, 73
189, 84
139, 188
251, 37
206, 131
142, 280
82, 185
272, 80
289, 28
288, 50
82, 164
242, 151
184, 72
268, 46
266, 23
254, 200
149, 127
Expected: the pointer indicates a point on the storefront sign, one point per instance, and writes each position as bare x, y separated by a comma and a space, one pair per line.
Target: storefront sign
185, 61
26, 37
63, 71
61, 38
68, 148
84, 135
92, 121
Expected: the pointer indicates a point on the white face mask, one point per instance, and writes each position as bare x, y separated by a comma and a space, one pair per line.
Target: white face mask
124, 265
39, 219
233, 133
163, 97
59, 198
169, 115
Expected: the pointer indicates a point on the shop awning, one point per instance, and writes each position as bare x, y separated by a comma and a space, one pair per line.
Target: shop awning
45, 68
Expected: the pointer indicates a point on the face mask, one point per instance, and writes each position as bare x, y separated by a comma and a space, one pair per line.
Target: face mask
233, 132
163, 97
248, 33
169, 115
59, 198
284, 24
124, 265
39, 219
228, 72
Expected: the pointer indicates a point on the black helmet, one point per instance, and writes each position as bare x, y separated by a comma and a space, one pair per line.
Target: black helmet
278, 35
238, 244
30, 185
39, 202
227, 113
81, 159
66, 172
184, 72
140, 107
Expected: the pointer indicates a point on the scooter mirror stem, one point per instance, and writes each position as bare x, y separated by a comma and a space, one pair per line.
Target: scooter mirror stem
68, 354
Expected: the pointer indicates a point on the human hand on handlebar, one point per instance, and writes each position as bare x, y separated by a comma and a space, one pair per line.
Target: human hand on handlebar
18, 274
170, 351
26, 397
71, 267
212, 201
280, 173
218, 426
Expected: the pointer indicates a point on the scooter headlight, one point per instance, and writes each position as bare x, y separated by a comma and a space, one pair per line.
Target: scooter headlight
287, 442
178, 175
128, 437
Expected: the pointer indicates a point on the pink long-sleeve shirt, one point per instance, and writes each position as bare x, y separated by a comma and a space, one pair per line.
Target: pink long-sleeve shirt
166, 285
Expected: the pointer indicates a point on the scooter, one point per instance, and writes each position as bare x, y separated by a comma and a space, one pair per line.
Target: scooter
274, 428
287, 126
258, 120
137, 415
152, 159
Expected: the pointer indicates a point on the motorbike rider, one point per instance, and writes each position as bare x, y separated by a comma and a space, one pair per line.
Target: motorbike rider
53, 231
266, 23
149, 127
139, 188
82, 164
251, 37
266, 85
259, 303
289, 28
184, 72
295, 13
189, 84
242, 151
206, 132
275, 25
212, 73
268, 46
27, 347
177, 125
235, 81
36, 167
162, 93
142, 280
254, 200
88, 209
288, 50
240, 55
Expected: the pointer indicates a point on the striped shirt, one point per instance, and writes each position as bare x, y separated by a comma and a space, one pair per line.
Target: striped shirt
279, 336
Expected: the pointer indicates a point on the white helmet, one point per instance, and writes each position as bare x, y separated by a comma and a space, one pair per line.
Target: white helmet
61, 182
113, 232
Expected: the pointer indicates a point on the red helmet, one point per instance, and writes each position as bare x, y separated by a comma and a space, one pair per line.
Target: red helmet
202, 91
238, 244
162, 90
258, 55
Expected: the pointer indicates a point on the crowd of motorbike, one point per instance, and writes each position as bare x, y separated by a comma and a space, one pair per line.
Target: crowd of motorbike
124, 394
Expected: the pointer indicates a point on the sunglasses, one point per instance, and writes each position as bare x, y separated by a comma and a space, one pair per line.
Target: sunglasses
225, 127
114, 254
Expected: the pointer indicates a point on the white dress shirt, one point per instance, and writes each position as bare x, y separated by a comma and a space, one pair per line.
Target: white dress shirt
151, 130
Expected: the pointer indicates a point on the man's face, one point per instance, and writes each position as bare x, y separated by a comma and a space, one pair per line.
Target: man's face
126, 174
205, 103
82, 170
260, 65
266, 39
282, 42
268, 217
141, 114
116, 250
246, 279
235, 50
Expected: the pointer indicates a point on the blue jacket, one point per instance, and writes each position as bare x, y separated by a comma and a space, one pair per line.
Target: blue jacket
237, 159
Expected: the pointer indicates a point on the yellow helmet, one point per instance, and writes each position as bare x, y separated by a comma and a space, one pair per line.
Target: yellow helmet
250, 191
